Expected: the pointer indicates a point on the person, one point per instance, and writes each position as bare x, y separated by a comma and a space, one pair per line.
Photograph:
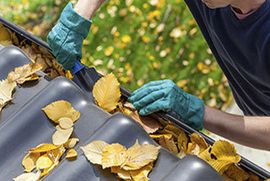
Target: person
238, 34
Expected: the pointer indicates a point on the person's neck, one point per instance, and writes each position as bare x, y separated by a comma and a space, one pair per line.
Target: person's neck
245, 6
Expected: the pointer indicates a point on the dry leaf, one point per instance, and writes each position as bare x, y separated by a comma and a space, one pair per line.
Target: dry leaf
24, 73
139, 156
193, 149
123, 174
157, 136
113, 155
29, 161
93, 151
65, 123
107, 93
43, 148
28, 177
6, 89
5, 36
236, 173
71, 142
169, 144
60, 109
61, 136
182, 141
197, 139
72, 154
149, 124
44, 162
142, 173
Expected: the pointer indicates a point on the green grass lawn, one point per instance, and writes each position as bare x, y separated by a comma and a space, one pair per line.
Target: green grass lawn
137, 41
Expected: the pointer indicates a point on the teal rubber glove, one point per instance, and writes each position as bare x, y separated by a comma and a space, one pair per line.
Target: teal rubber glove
66, 37
164, 95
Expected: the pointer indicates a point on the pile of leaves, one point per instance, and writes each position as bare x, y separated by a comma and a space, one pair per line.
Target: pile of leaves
20, 75
41, 160
134, 163
221, 155
35, 53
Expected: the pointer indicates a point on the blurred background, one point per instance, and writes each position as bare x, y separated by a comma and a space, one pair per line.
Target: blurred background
139, 42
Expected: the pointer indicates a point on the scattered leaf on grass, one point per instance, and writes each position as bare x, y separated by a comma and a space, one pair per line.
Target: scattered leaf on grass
60, 109
71, 154
93, 151
24, 73
6, 89
61, 136
107, 93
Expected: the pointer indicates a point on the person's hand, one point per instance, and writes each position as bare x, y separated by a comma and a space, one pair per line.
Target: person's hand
87, 8
164, 95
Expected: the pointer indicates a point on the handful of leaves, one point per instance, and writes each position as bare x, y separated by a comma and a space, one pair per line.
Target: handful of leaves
134, 163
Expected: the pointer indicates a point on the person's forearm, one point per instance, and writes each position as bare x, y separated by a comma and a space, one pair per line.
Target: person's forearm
249, 131
87, 8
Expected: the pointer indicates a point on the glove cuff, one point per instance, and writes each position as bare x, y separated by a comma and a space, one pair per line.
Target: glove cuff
74, 21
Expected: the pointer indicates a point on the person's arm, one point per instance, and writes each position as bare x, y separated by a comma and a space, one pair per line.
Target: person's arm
249, 131
66, 37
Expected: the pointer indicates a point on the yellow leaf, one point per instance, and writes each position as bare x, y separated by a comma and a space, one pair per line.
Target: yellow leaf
193, 149
157, 136
142, 173
24, 73
169, 144
139, 156
182, 141
44, 162
72, 154
43, 148
123, 174
107, 93
113, 155
28, 177
93, 151
65, 123
56, 154
71, 142
29, 161
236, 173
61, 136
60, 109
197, 139
5, 35
6, 89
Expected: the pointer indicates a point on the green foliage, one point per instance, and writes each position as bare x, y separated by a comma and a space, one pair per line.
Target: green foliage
139, 42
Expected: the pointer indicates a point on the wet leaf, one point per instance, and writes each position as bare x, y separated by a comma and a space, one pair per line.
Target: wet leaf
28, 177
24, 73
139, 156
65, 123
107, 93
93, 151
61, 136
60, 109
113, 155
6, 89
72, 154
44, 162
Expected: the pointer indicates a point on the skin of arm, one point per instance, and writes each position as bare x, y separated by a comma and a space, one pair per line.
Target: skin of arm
87, 8
249, 131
